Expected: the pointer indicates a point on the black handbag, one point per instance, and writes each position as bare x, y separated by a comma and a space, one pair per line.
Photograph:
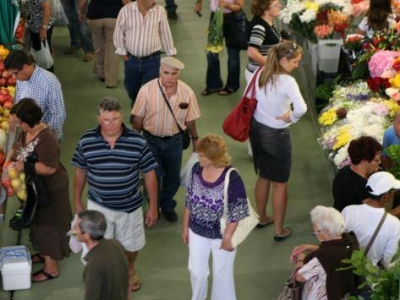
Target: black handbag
35, 183
238, 31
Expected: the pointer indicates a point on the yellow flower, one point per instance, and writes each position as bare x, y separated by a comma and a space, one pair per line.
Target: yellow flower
343, 138
328, 118
311, 6
395, 81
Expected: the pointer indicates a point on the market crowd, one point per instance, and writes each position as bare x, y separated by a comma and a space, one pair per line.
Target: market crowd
115, 160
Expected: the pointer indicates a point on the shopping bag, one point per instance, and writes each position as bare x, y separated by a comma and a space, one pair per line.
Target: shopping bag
237, 123
187, 169
57, 13
74, 244
43, 56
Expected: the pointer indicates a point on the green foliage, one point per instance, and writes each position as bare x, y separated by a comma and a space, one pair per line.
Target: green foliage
324, 91
393, 153
384, 283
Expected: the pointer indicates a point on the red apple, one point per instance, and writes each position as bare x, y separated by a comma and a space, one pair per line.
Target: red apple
1, 66
11, 81
5, 74
8, 104
4, 91
3, 81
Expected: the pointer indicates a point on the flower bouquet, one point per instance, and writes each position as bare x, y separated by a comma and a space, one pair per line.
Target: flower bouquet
215, 37
318, 19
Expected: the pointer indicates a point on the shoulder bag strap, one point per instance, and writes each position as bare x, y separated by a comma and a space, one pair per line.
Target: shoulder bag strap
371, 241
169, 106
226, 186
251, 88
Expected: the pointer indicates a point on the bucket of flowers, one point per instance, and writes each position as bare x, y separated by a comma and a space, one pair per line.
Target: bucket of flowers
318, 19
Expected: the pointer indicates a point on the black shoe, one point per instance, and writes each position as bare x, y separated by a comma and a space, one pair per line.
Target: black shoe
172, 15
171, 216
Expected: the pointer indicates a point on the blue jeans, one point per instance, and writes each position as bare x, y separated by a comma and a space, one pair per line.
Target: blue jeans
79, 31
170, 5
139, 72
213, 79
168, 153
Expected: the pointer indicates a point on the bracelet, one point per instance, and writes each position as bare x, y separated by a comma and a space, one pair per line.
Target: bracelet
194, 138
46, 27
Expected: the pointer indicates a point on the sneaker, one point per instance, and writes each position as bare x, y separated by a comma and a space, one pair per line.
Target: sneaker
71, 49
88, 56
172, 15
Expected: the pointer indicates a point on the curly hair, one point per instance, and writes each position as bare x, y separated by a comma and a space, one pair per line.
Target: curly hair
213, 147
364, 148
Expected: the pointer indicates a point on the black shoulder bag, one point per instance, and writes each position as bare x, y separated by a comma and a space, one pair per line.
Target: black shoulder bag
185, 133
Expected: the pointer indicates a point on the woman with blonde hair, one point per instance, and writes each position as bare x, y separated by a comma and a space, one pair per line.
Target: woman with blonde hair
201, 219
279, 105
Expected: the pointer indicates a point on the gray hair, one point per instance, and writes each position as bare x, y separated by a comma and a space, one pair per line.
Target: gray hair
328, 219
94, 223
108, 104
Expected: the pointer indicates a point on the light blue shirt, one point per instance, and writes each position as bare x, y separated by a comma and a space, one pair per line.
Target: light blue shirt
44, 87
389, 138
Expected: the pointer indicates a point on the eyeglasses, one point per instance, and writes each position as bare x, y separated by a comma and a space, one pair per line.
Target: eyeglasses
15, 72
315, 233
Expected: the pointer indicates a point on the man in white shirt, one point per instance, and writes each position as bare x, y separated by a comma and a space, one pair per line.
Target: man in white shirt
363, 219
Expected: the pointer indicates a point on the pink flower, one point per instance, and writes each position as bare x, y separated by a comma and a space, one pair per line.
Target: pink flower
381, 110
380, 62
323, 31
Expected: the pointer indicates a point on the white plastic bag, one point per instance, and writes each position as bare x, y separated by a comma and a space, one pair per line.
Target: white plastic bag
57, 13
43, 56
187, 169
74, 244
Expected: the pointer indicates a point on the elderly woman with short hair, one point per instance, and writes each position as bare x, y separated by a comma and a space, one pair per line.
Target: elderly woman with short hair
318, 265
201, 219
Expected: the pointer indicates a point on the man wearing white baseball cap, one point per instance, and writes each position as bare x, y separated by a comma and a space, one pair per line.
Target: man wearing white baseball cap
363, 219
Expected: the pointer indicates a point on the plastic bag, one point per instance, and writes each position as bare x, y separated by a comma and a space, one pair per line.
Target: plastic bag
187, 169
57, 13
215, 37
74, 244
14, 182
43, 56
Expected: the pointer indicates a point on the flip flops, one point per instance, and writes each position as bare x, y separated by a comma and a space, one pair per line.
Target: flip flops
207, 92
226, 92
136, 284
47, 276
286, 233
264, 224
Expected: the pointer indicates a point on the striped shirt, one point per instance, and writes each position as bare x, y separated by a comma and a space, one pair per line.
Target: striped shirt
44, 87
113, 173
262, 37
315, 286
142, 36
158, 120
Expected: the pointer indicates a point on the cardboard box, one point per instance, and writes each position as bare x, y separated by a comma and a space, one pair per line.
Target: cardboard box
15, 266
328, 55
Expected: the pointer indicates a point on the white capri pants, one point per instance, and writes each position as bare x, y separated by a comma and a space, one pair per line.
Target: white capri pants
223, 287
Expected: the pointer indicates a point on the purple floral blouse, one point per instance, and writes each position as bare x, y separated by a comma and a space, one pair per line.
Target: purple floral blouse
205, 202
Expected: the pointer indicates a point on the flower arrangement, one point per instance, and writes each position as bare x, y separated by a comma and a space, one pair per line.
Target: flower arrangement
321, 19
215, 38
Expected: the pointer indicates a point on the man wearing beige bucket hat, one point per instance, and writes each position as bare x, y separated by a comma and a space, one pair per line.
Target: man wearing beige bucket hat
164, 107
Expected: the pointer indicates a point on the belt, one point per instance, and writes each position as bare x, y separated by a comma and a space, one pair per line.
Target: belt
166, 137
154, 54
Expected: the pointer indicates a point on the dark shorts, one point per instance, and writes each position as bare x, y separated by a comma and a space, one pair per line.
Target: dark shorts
272, 152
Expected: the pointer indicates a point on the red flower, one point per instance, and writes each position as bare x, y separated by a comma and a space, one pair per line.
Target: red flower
356, 1
374, 84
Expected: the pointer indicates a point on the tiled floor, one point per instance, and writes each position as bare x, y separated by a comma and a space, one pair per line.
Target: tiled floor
262, 265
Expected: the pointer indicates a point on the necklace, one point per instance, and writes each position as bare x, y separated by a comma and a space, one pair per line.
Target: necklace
275, 32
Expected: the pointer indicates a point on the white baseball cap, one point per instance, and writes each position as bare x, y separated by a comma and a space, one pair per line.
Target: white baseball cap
380, 183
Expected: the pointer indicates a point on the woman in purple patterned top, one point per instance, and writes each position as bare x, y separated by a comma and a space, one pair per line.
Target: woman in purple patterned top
201, 219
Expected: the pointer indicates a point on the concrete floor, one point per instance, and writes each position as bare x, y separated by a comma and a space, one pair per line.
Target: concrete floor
262, 265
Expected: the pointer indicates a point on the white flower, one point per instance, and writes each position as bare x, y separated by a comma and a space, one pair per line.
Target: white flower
341, 156
308, 16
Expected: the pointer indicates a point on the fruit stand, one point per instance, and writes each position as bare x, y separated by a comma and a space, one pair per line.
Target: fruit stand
11, 33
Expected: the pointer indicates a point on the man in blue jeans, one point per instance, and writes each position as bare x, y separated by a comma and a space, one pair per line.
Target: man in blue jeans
78, 31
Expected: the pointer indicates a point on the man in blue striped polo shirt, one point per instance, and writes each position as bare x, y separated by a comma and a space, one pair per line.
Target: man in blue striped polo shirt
110, 159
